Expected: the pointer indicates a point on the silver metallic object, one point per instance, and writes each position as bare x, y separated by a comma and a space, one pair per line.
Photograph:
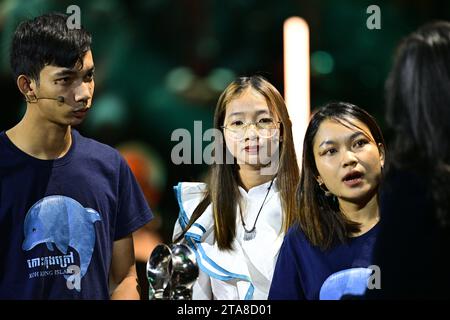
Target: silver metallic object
184, 272
159, 271
171, 272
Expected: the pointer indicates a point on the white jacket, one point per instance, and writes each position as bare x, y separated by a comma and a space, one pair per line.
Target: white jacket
245, 272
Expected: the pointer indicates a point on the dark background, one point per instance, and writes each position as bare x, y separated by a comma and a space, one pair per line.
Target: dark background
161, 64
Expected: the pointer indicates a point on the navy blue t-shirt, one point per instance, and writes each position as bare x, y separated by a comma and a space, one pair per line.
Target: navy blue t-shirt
304, 271
59, 219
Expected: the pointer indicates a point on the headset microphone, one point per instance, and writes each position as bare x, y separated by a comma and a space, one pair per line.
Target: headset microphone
60, 99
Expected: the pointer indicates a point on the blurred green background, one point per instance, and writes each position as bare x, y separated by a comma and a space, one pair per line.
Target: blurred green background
161, 65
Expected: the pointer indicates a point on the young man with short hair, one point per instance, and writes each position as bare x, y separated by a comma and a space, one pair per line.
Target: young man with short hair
68, 204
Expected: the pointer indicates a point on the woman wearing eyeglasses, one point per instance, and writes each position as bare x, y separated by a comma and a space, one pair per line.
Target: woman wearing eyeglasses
236, 222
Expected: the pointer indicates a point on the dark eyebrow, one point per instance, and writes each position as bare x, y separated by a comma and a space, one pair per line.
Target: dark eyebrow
241, 113
351, 137
326, 142
71, 72
65, 72
90, 70
356, 134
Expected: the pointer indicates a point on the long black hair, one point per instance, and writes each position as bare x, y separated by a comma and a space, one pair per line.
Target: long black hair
418, 110
319, 215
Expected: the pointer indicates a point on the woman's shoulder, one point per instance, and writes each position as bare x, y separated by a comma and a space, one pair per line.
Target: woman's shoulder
295, 235
190, 189
189, 195
403, 183
411, 177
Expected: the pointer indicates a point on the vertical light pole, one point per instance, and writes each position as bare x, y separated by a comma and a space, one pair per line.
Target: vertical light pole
296, 78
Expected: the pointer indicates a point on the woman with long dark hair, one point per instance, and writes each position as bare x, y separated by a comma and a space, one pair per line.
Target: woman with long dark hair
414, 244
327, 252
236, 222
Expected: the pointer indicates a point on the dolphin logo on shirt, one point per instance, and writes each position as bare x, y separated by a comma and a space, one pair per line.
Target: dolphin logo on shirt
62, 222
353, 281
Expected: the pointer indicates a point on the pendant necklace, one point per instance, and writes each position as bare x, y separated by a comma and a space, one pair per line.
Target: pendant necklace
251, 234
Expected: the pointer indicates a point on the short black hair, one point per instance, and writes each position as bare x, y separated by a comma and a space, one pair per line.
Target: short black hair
46, 40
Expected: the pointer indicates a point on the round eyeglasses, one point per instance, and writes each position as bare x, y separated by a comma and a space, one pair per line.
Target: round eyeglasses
266, 128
